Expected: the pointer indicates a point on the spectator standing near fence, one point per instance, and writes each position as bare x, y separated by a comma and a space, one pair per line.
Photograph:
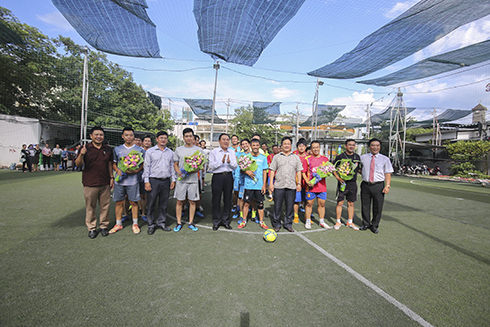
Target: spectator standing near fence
97, 180
57, 157
47, 153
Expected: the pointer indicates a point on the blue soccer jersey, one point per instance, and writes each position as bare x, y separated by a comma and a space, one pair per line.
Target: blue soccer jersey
261, 161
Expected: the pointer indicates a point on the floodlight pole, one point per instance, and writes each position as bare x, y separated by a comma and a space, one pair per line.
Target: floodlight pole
314, 122
227, 113
297, 121
398, 124
368, 121
83, 117
215, 66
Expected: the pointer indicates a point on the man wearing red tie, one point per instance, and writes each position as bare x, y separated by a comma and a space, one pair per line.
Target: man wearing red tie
376, 170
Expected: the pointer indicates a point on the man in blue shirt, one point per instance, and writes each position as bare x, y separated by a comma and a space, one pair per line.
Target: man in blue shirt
129, 185
255, 185
159, 178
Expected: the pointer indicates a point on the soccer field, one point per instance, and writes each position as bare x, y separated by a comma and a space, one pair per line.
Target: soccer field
429, 264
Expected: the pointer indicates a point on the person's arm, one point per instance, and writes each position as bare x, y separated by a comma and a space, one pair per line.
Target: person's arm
298, 183
111, 174
176, 168
264, 177
386, 190
213, 162
271, 181
81, 154
233, 162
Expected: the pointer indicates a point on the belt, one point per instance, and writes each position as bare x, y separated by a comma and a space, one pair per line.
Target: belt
223, 173
160, 179
373, 183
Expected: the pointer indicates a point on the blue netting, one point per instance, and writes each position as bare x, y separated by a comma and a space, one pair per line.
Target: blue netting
418, 27
386, 115
155, 99
266, 112
239, 30
447, 116
326, 114
203, 109
115, 26
445, 62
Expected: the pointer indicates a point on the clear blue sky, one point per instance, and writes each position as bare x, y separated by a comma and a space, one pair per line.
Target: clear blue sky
320, 33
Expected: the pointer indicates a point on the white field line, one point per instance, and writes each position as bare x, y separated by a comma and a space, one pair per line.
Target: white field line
368, 283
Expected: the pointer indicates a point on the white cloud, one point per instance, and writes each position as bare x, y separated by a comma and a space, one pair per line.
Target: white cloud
399, 8
57, 20
282, 93
357, 102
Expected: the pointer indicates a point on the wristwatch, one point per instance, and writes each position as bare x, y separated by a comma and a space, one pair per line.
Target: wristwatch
388, 185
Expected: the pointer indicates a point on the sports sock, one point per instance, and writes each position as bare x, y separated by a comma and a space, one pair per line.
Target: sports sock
338, 220
349, 221
241, 214
135, 221
119, 222
322, 221
254, 214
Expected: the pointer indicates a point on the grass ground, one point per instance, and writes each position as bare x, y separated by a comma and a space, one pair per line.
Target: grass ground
429, 264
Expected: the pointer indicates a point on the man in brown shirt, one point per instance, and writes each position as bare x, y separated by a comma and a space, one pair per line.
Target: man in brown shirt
97, 180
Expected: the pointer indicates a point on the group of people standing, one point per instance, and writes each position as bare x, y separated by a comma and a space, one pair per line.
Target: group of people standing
283, 176
33, 156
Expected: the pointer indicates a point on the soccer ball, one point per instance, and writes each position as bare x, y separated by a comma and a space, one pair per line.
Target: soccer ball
270, 235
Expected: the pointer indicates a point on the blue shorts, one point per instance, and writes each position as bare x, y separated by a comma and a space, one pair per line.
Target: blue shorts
313, 195
241, 191
300, 196
133, 192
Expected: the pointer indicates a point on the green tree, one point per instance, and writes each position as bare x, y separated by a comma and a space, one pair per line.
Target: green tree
467, 153
244, 127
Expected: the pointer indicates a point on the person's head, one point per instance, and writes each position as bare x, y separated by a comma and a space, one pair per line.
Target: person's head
315, 148
374, 145
301, 145
188, 134
128, 135
286, 142
264, 147
97, 135
350, 146
46, 145
203, 144
196, 140
308, 150
162, 138
245, 145
57, 146
24, 146
255, 145
37, 146
138, 141
256, 136
224, 141
275, 149
65, 149
30, 146
147, 142
234, 140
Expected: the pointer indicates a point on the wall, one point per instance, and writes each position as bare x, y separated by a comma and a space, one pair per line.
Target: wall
15, 131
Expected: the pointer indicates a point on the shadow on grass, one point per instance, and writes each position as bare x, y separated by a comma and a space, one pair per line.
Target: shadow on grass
441, 241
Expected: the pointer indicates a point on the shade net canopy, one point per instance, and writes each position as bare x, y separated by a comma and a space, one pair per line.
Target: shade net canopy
238, 31
326, 114
7, 35
447, 116
457, 59
265, 112
386, 115
120, 27
155, 99
203, 109
424, 23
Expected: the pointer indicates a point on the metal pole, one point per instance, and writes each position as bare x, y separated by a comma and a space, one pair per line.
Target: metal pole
227, 113
215, 66
84, 91
297, 121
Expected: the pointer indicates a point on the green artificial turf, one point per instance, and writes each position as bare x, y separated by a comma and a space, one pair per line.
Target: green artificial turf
432, 255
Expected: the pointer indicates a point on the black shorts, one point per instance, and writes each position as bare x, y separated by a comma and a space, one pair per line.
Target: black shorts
256, 195
350, 192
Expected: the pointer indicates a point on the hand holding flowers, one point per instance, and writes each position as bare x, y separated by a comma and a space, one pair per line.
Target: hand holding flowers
246, 163
323, 171
128, 164
192, 164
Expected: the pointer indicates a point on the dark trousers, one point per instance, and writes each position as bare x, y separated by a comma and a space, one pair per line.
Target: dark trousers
46, 161
160, 188
372, 193
27, 163
221, 186
283, 195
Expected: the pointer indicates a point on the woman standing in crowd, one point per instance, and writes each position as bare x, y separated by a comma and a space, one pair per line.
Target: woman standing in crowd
24, 158
57, 157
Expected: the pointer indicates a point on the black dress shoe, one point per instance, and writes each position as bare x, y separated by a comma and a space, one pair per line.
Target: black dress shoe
165, 228
93, 233
215, 227
276, 229
289, 229
227, 226
151, 230
374, 230
364, 227
104, 232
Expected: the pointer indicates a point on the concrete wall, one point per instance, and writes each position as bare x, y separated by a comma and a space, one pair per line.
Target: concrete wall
15, 131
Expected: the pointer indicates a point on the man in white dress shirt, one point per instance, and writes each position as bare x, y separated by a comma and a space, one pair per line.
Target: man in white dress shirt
222, 162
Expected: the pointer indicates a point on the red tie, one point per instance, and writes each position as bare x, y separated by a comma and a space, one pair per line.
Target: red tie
371, 170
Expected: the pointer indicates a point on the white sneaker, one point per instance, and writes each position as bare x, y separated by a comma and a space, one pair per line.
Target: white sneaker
308, 224
324, 225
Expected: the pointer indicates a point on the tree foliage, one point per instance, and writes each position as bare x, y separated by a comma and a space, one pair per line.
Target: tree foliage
43, 79
467, 153
244, 128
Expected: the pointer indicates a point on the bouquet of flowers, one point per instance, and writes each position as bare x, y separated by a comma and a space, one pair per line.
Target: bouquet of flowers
323, 171
192, 164
247, 163
132, 161
346, 169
